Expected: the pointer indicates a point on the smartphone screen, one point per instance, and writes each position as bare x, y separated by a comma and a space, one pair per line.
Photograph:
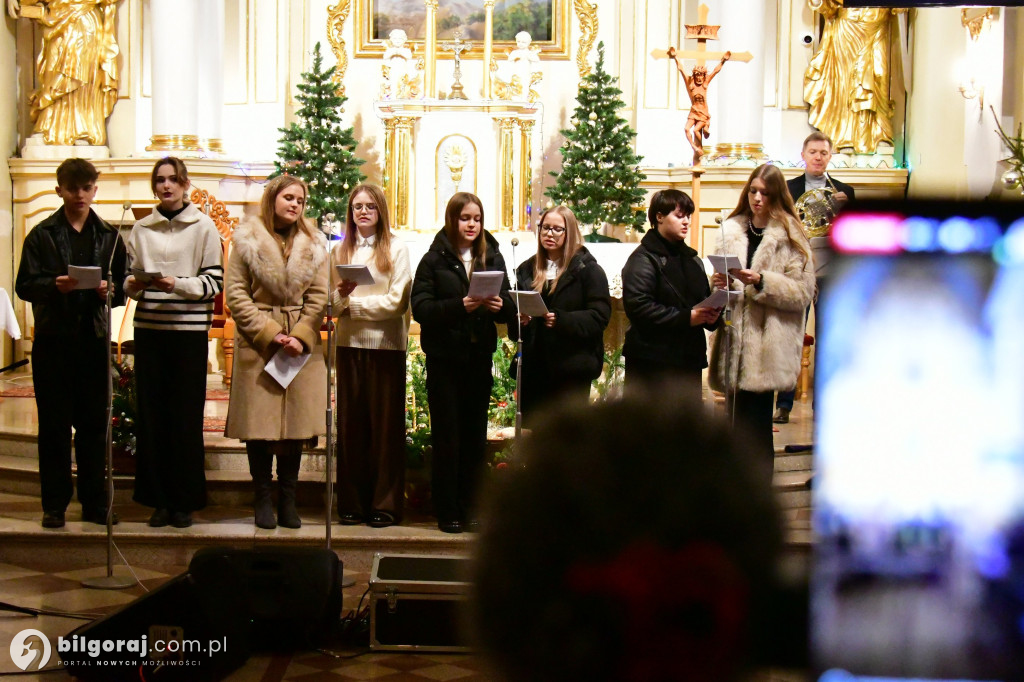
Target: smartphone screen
919, 437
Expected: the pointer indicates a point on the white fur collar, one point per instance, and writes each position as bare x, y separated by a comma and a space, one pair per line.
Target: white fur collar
262, 254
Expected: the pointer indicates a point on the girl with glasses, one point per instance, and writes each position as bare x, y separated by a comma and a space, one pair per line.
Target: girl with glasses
458, 335
372, 338
563, 351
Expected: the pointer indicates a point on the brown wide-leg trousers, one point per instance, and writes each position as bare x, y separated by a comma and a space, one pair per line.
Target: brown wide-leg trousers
371, 431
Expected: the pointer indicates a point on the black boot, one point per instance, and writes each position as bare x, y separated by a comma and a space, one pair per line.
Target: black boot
287, 480
261, 463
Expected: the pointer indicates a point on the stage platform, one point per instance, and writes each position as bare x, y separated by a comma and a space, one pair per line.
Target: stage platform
228, 518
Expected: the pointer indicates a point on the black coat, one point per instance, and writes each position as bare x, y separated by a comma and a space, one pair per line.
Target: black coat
441, 282
798, 186
574, 347
45, 256
658, 292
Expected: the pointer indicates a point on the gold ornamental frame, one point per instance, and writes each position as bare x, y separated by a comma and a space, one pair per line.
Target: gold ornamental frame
559, 47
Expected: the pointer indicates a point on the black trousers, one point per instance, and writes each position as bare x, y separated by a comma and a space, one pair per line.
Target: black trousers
459, 391
70, 379
371, 431
754, 415
649, 375
542, 391
170, 368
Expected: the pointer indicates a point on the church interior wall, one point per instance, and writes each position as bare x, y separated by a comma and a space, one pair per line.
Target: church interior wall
8, 147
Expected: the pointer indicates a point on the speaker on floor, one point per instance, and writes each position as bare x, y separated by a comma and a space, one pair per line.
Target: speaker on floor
193, 627
291, 595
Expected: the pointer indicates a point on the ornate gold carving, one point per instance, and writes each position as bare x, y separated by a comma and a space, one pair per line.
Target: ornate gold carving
217, 210
336, 16
174, 143
455, 159
506, 152
847, 81
735, 150
77, 70
526, 171
213, 144
974, 19
402, 168
587, 13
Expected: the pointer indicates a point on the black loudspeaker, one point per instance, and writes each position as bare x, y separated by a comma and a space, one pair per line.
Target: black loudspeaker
193, 627
292, 596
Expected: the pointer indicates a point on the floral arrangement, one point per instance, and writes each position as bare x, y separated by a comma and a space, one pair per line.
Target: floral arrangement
1014, 177
502, 410
122, 420
417, 414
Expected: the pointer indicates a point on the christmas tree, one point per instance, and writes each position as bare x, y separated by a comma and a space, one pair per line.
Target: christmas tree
317, 148
600, 179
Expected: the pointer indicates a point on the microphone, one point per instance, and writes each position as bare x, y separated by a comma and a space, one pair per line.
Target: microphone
515, 242
127, 206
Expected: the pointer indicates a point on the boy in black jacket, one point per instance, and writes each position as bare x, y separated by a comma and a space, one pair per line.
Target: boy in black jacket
69, 349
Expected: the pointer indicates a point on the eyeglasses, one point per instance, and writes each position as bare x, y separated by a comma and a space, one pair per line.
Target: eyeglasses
552, 229
371, 208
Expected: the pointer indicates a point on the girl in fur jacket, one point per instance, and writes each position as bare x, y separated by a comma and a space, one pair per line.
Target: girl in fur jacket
760, 352
276, 288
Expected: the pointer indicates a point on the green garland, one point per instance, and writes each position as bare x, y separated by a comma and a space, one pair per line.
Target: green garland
122, 420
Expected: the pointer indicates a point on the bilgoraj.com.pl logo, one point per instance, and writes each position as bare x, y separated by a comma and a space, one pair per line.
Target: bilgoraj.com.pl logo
165, 646
27, 645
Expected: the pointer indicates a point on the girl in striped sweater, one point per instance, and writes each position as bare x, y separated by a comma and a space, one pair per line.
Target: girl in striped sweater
175, 272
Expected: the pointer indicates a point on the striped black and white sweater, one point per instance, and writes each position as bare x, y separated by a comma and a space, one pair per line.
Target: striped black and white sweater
188, 247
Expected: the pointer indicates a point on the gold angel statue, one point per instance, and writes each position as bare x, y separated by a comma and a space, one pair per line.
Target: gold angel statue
847, 81
76, 69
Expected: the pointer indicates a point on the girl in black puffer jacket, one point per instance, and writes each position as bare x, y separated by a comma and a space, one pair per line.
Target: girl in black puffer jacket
458, 336
563, 351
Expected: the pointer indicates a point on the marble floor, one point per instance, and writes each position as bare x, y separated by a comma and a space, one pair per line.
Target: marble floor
50, 579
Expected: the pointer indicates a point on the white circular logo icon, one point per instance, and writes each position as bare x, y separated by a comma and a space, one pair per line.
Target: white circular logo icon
23, 652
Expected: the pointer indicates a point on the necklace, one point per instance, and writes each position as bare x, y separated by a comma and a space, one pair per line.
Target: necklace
753, 230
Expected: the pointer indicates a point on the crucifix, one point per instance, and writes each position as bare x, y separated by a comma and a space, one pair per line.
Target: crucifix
698, 124
457, 47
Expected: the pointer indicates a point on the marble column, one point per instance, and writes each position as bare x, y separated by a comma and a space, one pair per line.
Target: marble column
430, 51
738, 120
488, 45
175, 108
209, 45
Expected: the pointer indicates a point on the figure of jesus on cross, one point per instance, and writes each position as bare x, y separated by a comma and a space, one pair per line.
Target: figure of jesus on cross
698, 123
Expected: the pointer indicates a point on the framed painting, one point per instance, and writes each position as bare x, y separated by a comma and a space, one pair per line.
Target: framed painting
547, 22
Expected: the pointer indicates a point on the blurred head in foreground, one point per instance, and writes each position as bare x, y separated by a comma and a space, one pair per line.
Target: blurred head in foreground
639, 542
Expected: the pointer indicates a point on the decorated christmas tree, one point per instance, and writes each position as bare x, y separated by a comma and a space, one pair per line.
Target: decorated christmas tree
317, 148
600, 178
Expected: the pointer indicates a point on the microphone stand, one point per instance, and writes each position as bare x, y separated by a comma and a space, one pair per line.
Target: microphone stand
329, 448
519, 352
111, 581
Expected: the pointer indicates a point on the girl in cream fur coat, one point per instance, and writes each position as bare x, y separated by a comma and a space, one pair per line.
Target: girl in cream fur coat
276, 288
776, 284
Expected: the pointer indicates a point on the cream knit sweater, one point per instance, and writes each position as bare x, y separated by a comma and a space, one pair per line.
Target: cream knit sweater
378, 313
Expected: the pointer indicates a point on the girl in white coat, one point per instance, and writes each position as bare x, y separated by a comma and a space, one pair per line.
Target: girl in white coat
373, 334
776, 284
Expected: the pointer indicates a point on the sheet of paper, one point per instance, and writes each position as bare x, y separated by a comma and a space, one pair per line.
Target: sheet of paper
717, 299
724, 264
145, 277
485, 284
530, 303
360, 274
88, 276
284, 367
